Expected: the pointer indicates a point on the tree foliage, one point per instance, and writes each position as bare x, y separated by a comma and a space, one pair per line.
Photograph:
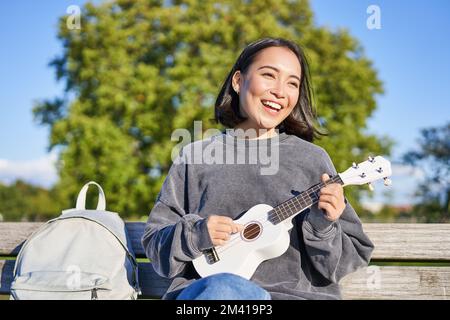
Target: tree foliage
138, 69
20, 201
433, 157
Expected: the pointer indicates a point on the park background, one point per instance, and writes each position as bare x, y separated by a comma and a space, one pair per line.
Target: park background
99, 100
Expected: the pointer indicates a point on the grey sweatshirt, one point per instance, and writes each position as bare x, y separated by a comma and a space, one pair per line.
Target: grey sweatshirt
220, 176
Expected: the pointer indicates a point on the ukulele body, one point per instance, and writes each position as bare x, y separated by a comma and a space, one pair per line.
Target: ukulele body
259, 240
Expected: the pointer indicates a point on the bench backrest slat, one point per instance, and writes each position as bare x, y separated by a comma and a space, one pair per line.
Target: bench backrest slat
397, 282
399, 242
410, 242
393, 242
368, 283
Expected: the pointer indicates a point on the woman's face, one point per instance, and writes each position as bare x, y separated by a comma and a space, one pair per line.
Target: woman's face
269, 90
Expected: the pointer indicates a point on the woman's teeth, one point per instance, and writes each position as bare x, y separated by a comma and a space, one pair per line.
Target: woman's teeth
272, 105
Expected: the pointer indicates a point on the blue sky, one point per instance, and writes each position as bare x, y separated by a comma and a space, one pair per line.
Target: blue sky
411, 53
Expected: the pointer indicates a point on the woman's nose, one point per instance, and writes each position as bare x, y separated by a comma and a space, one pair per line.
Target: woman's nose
278, 90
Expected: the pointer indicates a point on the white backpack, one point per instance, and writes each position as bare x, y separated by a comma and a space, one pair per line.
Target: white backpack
82, 254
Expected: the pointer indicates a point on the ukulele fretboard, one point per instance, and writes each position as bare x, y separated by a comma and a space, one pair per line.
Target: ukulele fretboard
297, 204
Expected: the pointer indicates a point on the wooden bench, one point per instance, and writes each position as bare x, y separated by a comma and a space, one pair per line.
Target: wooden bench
423, 250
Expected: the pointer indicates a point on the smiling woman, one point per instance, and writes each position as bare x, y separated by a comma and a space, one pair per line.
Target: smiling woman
199, 210
268, 92
269, 84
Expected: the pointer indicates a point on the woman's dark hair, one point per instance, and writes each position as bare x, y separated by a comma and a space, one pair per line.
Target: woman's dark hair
300, 121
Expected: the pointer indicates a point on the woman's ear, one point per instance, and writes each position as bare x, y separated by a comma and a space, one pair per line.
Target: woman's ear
235, 80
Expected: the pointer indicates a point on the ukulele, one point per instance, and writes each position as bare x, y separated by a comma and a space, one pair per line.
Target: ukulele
265, 234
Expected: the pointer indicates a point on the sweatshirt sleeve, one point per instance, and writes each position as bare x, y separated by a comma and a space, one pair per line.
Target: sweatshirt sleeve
335, 248
173, 237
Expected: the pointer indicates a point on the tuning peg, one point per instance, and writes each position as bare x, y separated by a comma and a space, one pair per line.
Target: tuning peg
387, 182
371, 159
354, 165
371, 188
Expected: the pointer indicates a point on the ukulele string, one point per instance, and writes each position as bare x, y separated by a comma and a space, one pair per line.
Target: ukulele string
250, 232
305, 196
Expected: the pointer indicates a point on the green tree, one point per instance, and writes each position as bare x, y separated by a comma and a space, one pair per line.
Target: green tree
433, 157
22, 201
138, 69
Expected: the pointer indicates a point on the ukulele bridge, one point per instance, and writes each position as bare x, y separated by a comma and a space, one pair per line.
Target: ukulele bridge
211, 256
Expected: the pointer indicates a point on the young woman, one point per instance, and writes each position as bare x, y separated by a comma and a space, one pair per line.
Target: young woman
267, 92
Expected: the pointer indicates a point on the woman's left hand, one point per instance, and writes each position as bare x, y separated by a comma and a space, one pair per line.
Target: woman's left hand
331, 199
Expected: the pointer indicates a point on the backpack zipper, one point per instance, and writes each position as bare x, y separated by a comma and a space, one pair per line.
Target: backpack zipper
94, 294
135, 274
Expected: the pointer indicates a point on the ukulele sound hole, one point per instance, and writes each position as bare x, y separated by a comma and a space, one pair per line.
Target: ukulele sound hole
252, 231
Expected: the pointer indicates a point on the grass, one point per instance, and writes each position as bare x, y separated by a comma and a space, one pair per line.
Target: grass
411, 263
372, 263
7, 258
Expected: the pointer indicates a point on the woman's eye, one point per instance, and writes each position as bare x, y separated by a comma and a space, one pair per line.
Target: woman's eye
294, 84
268, 74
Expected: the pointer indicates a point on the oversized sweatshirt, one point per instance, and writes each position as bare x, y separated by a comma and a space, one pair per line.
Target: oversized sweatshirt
226, 175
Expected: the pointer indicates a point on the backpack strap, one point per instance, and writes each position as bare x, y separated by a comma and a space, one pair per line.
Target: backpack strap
81, 200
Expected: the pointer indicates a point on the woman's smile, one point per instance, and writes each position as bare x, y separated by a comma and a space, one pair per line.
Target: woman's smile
269, 89
271, 107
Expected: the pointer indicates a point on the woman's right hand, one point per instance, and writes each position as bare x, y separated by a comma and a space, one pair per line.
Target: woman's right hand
220, 229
